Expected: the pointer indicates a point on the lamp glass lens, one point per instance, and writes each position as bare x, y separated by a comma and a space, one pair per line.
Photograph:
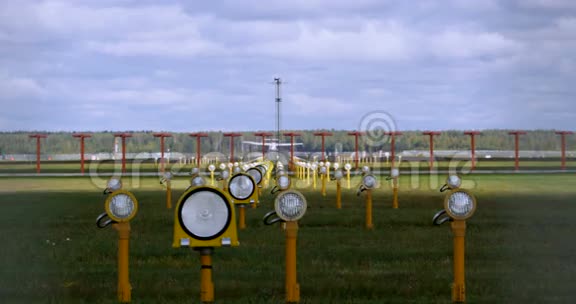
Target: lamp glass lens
205, 214
256, 174
168, 175
395, 172
369, 181
323, 170
222, 166
114, 184
460, 204
283, 182
121, 206
347, 166
365, 169
225, 174
290, 206
211, 168
197, 181
241, 187
338, 174
454, 181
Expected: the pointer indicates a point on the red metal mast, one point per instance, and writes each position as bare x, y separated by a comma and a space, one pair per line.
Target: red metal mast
264, 135
292, 135
232, 135
516, 147
356, 134
81, 136
198, 136
38, 137
563, 142
123, 136
392, 144
323, 134
162, 136
472, 135
431, 134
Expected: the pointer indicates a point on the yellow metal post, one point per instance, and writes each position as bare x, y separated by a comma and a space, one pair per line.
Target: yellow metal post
458, 287
212, 178
369, 224
338, 195
206, 284
314, 179
124, 288
348, 177
308, 173
168, 194
323, 184
292, 287
395, 193
242, 217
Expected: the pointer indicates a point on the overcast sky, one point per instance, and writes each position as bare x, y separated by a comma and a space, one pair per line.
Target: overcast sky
209, 65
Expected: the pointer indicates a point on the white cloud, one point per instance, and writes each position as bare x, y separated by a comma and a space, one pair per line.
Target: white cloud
17, 87
455, 44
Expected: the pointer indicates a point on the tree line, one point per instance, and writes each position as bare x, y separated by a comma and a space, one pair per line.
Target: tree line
143, 141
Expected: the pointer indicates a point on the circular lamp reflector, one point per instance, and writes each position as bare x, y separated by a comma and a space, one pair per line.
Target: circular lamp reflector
327, 164
290, 205
395, 172
321, 164
241, 186
236, 164
230, 165
121, 206
323, 170
196, 170
369, 181
225, 174
197, 181
347, 167
256, 174
365, 169
314, 167
245, 167
262, 169
222, 166
460, 204
211, 168
114, 184
454, 181
308, 165
336, 166
237, 170
338, 174
168, 175
204, 213
284, 182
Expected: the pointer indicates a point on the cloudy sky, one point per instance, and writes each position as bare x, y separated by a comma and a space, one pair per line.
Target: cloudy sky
209, 65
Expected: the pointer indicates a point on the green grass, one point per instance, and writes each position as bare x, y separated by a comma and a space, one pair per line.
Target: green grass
520, 246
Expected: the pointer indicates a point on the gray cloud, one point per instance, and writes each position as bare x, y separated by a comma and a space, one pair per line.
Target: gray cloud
182, 65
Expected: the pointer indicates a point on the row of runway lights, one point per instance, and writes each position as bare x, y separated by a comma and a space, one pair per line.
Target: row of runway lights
205, 218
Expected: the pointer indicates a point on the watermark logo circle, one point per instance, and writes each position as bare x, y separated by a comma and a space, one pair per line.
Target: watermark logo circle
377, 126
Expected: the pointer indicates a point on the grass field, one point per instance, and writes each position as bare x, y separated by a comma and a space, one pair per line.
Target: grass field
520, 246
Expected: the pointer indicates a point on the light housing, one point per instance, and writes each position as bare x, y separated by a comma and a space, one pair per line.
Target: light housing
454, 181
338, 175
369, 181
283, 182
121, 206
114, 184
222, 166
237, 170
197, 181
225, 174
195, 170
211, 168
395, 172
241, 187
347, 167
460, 204
256, 174
323, 170
336, 166
365, 169
327, 164
204, 217
167, 176
290, 205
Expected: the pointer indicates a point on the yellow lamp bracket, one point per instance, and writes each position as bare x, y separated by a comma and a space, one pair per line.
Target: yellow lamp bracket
120, 206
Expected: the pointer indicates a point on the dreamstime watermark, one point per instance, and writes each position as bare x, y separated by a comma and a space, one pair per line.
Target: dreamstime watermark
377, 127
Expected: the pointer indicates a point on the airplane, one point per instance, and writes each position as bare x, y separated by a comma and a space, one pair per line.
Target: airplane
273, 146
